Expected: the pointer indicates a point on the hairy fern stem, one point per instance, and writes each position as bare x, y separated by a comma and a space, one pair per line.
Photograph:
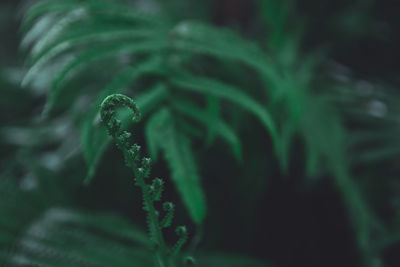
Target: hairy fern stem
165, 256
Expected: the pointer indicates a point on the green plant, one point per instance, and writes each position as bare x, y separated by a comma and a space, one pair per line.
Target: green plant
258, 128
161, 66
141, 168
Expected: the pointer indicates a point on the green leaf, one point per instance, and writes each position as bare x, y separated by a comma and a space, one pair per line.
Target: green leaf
275, 15
64, 237
85, 59
76, 39
232, 94
46, 7
154, 126
213, 123
56, 30
198, 38
325, 135
83, 26
43, 24
179, 156
110, 10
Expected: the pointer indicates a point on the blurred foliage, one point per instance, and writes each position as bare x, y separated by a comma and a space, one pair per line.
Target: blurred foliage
277, 122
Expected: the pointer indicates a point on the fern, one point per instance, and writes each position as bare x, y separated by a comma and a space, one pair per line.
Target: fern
162, 134
279, 92
150, 38
94, 141
231, 94
156, 39
141, 169
200, 38
214, 124
46, 233
93, 240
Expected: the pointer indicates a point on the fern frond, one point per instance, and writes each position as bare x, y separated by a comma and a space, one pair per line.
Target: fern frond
64, 237
107, 111
169, 208
213, 123
56, 30
154, 126
275, 15
87, 58
156, 189
200, 38
112, 11
94, 140
179, 155
46, 7
141, 170
181, 232
162, 134
80, 39
81, 25
232, 94
43, 24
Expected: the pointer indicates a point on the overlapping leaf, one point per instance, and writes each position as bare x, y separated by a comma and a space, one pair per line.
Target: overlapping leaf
163, 135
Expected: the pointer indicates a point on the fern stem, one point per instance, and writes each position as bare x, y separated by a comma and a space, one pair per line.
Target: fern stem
141, 169
154, 228
151, 212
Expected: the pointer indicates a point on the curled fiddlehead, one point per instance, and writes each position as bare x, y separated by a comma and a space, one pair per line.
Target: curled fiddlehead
152, 191
181, 231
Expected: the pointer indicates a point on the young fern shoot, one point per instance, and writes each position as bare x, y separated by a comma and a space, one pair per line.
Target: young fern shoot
151, 190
